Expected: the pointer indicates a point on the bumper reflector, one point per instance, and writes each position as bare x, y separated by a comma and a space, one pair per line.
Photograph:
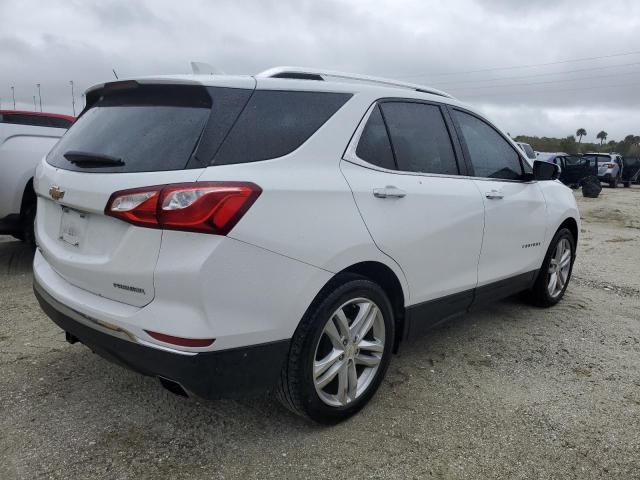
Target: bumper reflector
182, 342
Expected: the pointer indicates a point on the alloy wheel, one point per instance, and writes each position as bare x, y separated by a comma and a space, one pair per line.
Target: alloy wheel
559, 268
349, 352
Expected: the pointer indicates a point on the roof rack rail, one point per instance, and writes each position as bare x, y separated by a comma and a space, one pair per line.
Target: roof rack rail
302, 73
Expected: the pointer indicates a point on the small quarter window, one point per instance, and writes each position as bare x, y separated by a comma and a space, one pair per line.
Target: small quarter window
275, 123
374, 146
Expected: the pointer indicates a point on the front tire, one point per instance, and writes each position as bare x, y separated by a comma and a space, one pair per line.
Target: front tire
340, 351
556, 269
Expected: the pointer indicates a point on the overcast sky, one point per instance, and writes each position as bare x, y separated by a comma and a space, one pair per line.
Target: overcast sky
537, 67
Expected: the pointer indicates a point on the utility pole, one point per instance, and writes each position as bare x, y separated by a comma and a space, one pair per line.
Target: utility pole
39, 95
73, 99
13, 95
35, 107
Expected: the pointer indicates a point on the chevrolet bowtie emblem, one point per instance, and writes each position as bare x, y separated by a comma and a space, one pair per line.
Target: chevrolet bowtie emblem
56, 193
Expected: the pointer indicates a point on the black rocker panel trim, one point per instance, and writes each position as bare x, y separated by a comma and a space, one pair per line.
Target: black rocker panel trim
426, 315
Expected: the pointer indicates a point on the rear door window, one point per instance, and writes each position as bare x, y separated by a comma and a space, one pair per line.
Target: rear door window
419, 138
275, 123
490, 154
374, 146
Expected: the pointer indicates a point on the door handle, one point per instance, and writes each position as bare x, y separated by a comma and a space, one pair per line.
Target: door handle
389, 192
494, 195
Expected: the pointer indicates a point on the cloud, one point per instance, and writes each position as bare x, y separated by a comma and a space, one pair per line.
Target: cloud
485, 52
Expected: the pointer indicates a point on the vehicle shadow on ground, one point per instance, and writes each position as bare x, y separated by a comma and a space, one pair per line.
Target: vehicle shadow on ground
69, 373
16, 257
111, 413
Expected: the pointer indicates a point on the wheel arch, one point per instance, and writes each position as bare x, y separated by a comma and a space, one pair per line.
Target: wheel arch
388, 280
572, 225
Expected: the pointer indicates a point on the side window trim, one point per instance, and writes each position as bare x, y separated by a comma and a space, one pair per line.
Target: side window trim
464, 166
350, 151
465, 149
386, 129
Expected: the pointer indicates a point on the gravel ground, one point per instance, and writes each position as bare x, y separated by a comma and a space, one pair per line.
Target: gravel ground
509, 391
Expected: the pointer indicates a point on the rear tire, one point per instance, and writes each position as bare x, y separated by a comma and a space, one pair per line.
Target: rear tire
545, 292
334, 367
614, 183
28, 225
627, 184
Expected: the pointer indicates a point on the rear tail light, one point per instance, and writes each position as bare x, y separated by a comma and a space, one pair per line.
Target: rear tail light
205, 207
610, 165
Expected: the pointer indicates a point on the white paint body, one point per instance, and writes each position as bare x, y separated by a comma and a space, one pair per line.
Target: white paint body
315, 217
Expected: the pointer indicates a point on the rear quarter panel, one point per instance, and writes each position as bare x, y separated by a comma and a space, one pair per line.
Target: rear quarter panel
306, 210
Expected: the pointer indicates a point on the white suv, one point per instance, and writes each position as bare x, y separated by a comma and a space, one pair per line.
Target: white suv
286, 230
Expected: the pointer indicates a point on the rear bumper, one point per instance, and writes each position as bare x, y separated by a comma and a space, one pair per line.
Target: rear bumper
205, 374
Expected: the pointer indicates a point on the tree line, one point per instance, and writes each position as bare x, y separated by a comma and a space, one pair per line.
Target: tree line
629, 146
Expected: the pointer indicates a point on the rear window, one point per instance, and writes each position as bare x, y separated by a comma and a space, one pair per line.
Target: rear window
35, 120
144, 128
275, 123
148, 128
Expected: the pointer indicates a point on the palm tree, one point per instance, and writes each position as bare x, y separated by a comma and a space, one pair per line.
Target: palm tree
581, 132
602, 136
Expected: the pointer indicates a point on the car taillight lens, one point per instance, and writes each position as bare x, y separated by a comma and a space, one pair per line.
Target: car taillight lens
180, 341
206, 207
610, 165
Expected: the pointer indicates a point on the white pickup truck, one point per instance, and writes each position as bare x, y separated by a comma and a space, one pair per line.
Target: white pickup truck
25, 137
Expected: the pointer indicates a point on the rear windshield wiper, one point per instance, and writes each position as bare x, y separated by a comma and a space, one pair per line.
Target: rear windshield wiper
92, 160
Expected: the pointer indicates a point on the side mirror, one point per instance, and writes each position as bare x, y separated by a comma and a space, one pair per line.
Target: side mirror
545, 171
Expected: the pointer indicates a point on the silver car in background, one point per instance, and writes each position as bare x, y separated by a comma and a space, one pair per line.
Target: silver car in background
609, 167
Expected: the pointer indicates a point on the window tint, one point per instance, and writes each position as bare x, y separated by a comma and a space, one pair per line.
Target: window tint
491, 155
420, 139
151, 128
574, 160
599, 158
275, 123
374, 146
